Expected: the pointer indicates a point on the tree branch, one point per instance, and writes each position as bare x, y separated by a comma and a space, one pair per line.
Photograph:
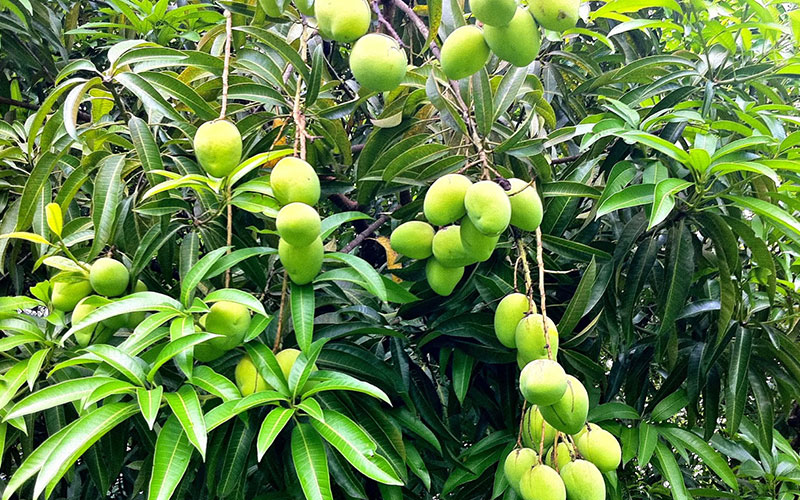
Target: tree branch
363, 235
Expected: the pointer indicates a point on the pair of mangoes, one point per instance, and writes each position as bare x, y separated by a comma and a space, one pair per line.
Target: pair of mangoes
592, 443
107, 277
510, 31
517, 325
86, 305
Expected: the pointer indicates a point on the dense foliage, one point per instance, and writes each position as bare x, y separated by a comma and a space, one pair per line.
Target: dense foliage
661, 135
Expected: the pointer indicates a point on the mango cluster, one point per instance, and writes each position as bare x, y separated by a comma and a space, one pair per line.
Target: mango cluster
80, 293
483, 210
559, 405
509, 31
377, 61
296, 187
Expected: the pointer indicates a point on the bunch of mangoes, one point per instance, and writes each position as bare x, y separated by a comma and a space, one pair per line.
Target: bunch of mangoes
249, 380
296, 187
80, 293
559, 405
509, 31
484, 210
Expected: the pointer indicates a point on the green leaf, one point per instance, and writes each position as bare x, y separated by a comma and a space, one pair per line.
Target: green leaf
482, 100
88, 429
267, 366
672, 473
330, 223
140, 301
73, 102
146, 148
785, 222
710, 457
663, 199
355, 445
631, 196
678, 275
569, 188
198, 273
302, 302
238, 296
236, 459
149, 403
272, 425
308, 455
315, 80
185, 406
151, 99
669, 406
337, 381
736, 388
132, 368
105, 200
371, 277
34, 184
723, 168
55, 219
212, 382
509, 89
434, 20
55, 395
21, 235
766, 411
279, 44
170, 460
176, 347
579, 301
648, 437
656, 143
463, 364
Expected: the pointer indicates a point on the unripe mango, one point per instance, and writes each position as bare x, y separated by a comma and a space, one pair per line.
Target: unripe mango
247, 377
294, 180
301, 262
298, 224
67, 294
82, 309
488, 207
542, 483
444, 201
218, 147
510, 311
442, 280
531, 341
493, 12
448, 249
562, 458
556, 15
206, 352
342, 20
270, 7
286, 360
532, 424
583, 481
478, 245
518, 462
109, 277
526, 206
414, 239
543, 382
517, 42
569, 413
600, 447
378, 62
229, 319
464, 52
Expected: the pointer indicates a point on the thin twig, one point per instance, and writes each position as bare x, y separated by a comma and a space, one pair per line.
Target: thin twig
227, 63
278, 330
565, 159
386, 24
407, 10
521, 421
527, 270
540, 263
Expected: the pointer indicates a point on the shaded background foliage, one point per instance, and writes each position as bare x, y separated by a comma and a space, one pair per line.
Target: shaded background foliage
662, 135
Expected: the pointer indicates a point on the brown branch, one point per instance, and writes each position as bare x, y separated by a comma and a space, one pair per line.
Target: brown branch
386, 24
226, 63
278, 330
19, 104
407, 10
565, 159
360, 237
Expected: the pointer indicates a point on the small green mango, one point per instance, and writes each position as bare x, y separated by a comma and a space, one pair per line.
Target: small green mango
526, 206
218, 147
562, 457
600, 447
532, 423
543, 382
298, 223
414, 239
510, 311
441, 279
530, 339
294, 180
569, 413
448, 249
583, 481
493, 12
556, 15
303, 263
488, 207
229, 319
342, 20
464, 52
517, 42
542, 482
444, 201
378, 62
519, 461
109, 277
477, 244
66, 294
